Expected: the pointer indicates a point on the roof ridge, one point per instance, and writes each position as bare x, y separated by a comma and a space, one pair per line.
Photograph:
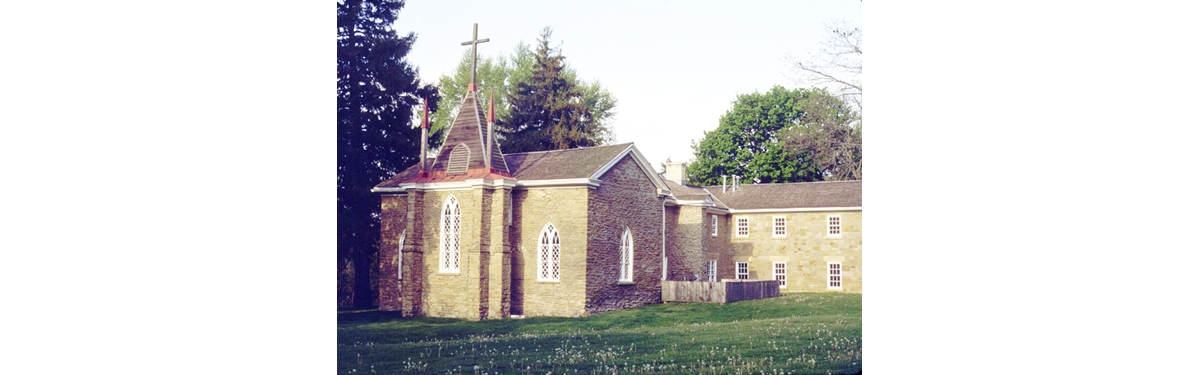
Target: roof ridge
568, 149
788, 183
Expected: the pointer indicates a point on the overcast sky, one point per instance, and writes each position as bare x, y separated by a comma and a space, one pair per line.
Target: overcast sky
675, 67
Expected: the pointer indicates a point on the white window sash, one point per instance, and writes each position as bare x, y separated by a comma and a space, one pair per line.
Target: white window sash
743, 223
833, 275
779, 272
451, 239
549, 254
833, 225
626, 274
400, 258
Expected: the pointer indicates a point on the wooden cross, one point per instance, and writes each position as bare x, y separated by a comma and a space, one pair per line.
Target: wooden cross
474, 42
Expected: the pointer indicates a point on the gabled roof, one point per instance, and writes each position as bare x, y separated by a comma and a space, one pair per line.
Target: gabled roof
562, 164
686, 193
577, 165
828, 194
469, 129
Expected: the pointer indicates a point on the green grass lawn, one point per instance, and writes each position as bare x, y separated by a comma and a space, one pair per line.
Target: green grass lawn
798, 333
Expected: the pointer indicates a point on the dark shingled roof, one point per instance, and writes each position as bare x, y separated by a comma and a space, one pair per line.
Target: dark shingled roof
791, 195
560, 164
686, 193
469, 129
541, 165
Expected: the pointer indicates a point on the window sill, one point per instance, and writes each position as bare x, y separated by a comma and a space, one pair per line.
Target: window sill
626, 283
446, 273
549, 281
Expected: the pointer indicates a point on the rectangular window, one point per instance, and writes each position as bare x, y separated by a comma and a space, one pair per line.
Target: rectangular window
834, 226
714, 225
743, 271
779, 270
780, 226
835, 275
712, 271
743, 227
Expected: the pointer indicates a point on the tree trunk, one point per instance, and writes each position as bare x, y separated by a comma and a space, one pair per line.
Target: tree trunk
364, 295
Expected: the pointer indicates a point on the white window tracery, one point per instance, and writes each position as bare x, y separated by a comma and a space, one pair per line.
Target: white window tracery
451, 240
626, 256
549, 251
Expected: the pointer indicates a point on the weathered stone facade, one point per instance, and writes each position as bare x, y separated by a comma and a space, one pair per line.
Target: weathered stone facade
625, 199
392, 223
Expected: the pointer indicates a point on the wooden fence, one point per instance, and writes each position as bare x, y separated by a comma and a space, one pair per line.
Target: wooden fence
719, 292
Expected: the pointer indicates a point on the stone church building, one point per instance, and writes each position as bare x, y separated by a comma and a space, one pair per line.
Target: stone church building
479, 234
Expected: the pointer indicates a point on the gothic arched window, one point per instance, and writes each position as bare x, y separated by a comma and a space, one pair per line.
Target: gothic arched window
451, 236
548, 254
626, 256
400, 261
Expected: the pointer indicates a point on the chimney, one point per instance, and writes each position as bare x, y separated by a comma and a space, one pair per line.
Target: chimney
722, 183
736, 178
675, 172
424, 140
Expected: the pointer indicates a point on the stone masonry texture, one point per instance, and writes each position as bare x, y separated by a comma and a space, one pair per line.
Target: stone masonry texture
566, 208
625, 199
806, 248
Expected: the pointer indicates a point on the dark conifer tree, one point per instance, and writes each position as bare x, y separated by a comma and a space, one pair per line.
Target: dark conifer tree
548, 111
376, 92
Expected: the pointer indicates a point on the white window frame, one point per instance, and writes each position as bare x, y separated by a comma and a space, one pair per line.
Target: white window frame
831, 227
743, 270
549, 254
833, 276
450, 246
712, 271
738, 229
400, 261
714, 225
626, 261
776, 229
779, 273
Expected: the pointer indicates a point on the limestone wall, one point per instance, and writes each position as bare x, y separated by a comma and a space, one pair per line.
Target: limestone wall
566, 208
452, 294
688, 258
806, 248
625, 198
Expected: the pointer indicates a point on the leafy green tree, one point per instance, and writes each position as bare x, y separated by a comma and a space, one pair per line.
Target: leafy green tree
746, 142
377, 90
548, 110
830, 134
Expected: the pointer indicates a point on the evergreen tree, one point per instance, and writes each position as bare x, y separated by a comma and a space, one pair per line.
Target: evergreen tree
377, 90
548, 110
747, 142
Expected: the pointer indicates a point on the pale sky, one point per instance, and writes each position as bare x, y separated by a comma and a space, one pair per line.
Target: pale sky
675, 67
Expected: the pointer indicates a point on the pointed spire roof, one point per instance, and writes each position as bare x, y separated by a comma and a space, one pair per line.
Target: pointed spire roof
462, 152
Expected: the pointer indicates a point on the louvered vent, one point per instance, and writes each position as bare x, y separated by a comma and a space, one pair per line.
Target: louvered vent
458, 160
